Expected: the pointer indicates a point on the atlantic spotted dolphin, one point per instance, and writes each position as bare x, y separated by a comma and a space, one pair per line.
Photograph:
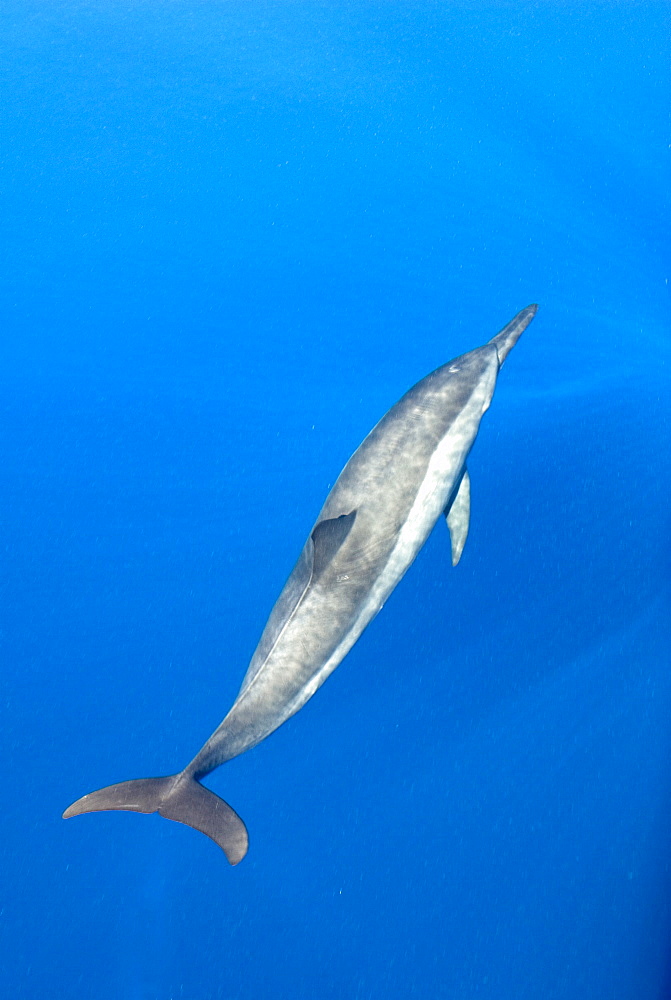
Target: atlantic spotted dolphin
409, 470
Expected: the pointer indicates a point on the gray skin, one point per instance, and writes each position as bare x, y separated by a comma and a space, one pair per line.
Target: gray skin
409, 470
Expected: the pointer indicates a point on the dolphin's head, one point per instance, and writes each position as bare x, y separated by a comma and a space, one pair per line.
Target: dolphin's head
510, 334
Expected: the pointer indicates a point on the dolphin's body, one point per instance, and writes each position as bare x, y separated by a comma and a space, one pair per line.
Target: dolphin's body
409, 470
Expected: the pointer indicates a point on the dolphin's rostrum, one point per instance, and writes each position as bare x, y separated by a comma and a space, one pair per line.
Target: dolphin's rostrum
409, 470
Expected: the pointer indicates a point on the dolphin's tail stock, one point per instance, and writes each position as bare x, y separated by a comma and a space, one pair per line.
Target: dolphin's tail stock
179, 797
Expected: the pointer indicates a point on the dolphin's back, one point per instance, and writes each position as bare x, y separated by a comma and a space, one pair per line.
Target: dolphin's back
375, 491
395, 454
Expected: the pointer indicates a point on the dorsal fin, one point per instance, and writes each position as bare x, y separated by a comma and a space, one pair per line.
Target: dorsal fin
327, 538
320, 548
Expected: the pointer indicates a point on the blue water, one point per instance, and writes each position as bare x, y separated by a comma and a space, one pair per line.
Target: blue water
234, 234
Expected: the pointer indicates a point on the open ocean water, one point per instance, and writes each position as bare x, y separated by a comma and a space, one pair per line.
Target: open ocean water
234, 233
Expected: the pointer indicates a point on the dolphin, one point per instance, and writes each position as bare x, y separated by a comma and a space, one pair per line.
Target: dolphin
409, 470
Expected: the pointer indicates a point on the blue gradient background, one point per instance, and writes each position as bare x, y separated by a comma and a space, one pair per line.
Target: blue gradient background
234, 234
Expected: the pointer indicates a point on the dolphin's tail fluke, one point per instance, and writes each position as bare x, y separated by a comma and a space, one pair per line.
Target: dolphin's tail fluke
510, 334
179, 797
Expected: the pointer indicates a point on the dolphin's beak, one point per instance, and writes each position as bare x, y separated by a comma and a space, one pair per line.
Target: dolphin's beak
510, 334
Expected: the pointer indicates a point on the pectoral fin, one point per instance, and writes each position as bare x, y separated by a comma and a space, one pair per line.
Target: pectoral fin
458, 514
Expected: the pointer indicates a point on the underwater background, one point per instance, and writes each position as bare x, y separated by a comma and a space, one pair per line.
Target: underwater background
234, 233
